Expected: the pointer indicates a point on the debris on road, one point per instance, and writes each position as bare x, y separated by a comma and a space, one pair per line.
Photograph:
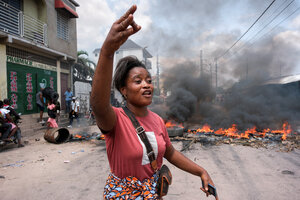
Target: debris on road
272, 141
57, 135
287, 172
86, 136
15, 164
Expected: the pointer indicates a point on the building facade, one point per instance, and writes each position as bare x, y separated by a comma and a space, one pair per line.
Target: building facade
38, 45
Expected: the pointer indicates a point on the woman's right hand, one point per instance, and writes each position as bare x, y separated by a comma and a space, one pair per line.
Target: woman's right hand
119, 32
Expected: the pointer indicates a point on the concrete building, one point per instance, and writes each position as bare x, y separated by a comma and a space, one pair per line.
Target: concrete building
38, 44
129, 48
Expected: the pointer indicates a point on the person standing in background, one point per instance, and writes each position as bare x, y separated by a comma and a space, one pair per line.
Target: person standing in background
57, 107
74, 112
68, 97
40, 104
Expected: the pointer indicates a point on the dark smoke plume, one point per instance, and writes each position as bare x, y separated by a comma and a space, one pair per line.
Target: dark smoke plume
188, 88
242, 74
248, 102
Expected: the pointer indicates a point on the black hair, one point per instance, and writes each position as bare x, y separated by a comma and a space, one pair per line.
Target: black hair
6, 101
1, 104
122, 70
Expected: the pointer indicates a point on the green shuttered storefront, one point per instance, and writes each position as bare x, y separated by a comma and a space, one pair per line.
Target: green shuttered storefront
24, 79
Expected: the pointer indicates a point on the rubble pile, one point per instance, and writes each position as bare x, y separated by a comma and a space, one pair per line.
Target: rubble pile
283, 139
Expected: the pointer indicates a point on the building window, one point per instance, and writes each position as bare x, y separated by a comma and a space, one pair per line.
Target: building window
63, 25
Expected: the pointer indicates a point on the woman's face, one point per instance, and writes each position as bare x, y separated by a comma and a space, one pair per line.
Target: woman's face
139, 89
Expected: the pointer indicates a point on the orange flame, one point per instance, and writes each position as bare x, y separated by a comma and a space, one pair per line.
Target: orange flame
234, 133
102, 137
205, 129
286, 129
170, 124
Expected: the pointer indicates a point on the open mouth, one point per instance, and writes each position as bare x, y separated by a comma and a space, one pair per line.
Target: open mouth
147, 93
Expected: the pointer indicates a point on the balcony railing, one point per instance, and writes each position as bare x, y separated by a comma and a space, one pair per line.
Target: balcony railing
15, 22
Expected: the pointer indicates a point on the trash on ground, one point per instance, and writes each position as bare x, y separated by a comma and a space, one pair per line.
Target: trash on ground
86, 136
287, 172
14, 164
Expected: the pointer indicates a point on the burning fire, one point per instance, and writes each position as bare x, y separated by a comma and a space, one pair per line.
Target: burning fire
286, 129
234, 133
78, 136
170, 124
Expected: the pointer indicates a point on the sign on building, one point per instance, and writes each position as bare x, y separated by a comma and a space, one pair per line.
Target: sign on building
25, 78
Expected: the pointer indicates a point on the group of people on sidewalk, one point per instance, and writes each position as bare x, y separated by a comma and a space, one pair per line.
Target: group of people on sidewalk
9, 119
53, 108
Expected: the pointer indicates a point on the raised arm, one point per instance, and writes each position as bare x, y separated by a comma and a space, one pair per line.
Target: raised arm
101, 88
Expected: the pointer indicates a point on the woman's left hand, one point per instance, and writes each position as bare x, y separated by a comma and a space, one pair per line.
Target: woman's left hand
182, 162
205, 181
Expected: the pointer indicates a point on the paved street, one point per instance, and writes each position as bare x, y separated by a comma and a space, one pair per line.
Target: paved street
78, 170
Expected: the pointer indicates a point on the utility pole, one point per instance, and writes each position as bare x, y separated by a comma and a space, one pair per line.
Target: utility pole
157, 74
144, 49
211, 75
280, 70
247, 70
216, 63
201, 64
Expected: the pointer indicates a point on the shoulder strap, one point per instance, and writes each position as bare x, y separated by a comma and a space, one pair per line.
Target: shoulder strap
141, 133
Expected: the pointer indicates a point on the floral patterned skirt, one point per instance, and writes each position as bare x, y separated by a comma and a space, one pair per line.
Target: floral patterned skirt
130, 188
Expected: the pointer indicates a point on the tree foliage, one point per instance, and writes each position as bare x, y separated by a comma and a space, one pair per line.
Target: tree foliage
83, 68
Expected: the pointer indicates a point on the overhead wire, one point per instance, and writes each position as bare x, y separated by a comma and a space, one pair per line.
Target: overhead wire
246, 43
259, 29
297, 9
246, 30
267, 18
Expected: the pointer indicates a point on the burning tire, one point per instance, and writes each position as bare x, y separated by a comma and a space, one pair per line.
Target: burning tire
175, 131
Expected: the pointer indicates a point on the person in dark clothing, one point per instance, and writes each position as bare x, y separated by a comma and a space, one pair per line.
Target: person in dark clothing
5, 128
15, 132
15, 116
74, 112
57, 107
40, 104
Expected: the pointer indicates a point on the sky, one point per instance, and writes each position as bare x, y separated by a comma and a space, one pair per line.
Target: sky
176, 31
